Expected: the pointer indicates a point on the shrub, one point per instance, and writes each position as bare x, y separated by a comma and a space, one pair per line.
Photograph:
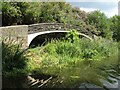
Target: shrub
13, 60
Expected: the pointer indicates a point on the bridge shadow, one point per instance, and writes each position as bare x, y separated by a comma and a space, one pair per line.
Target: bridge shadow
43, 39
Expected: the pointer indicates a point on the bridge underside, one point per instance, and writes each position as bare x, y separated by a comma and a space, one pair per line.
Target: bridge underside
43, 38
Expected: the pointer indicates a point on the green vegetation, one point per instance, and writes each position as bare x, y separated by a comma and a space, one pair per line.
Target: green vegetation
100, 21
74, 60
115, 27
13, 59
70, 61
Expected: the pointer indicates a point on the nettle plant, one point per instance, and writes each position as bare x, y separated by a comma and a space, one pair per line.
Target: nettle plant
73, 36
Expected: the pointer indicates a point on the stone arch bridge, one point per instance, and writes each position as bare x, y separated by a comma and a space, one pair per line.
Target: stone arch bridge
31, 34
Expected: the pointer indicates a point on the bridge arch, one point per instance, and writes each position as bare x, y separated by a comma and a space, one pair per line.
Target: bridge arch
40, 37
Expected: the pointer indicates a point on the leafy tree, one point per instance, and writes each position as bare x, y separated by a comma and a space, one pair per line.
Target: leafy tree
54, 11
10, 13
32, 13
100, 21
115, 27
20, 12
48, 12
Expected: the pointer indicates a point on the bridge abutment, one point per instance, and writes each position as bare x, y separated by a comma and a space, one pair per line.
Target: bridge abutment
16, 34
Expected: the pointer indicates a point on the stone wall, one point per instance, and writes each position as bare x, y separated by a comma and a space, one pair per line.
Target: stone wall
45, 27
34, 28
17, 34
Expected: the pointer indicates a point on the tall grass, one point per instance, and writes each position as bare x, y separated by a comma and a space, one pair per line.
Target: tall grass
13, 59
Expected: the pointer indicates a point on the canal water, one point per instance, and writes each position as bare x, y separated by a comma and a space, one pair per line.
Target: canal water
112, 82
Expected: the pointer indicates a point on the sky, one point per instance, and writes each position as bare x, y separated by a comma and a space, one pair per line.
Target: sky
109, 7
